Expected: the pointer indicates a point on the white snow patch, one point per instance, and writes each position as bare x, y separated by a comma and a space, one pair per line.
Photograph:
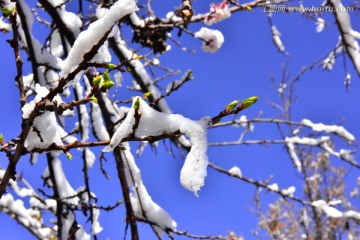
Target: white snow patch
276, 39
235, 171
90, 37
273, 187
289, 191
141, 200
96, 228
320, 24
338, 130
153, 123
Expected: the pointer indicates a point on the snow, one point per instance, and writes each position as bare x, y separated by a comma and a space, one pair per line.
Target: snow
289, 191
352, 214
103, 54
213, 39
136, 20
89, 157
282, 88
172, 85
153, 123
273, 187
172, 17
118, 78
335, 202
217, 13
98, 124
276, 39
67, 221
96, 228
141, 200
326, 209
193, 173
291, 149
6, 27
63, 186
320, 24
347, 155
347, 79
140, 70
243, 121
7, 4
44, 131
16, 208
349, 40
333, 212
57, 3
235, 171
329, 62
71, 20
84, 116
41, 55
338, 130
90, 37
156, 62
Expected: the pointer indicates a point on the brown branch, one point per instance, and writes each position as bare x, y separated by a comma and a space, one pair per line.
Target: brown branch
130, 216
28, 38
185, 78
18, 61
259, 184
181, 233
56, 196
63, 29
14, 159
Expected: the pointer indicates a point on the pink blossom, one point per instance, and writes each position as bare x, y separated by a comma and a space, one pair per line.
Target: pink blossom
218, 13
213, 39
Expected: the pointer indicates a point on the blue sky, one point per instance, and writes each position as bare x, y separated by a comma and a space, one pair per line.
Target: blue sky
238, 70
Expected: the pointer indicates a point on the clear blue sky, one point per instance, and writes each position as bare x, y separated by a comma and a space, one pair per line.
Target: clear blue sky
239, 70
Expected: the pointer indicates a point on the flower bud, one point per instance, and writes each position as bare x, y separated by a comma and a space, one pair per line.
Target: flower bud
69, 156
248, 102
106, 77
8, 11
231, 105
137, 104
108, 84
146, 95
110, 66
97, 80
93, 99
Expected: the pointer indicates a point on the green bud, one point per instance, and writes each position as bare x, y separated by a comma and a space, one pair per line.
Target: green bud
109, 84
110, 66
106, 77
231, 105
8, 11
138, 57
69, 156
248, 102
146, 95
137, 104
93, 99
97, 80
1, 139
